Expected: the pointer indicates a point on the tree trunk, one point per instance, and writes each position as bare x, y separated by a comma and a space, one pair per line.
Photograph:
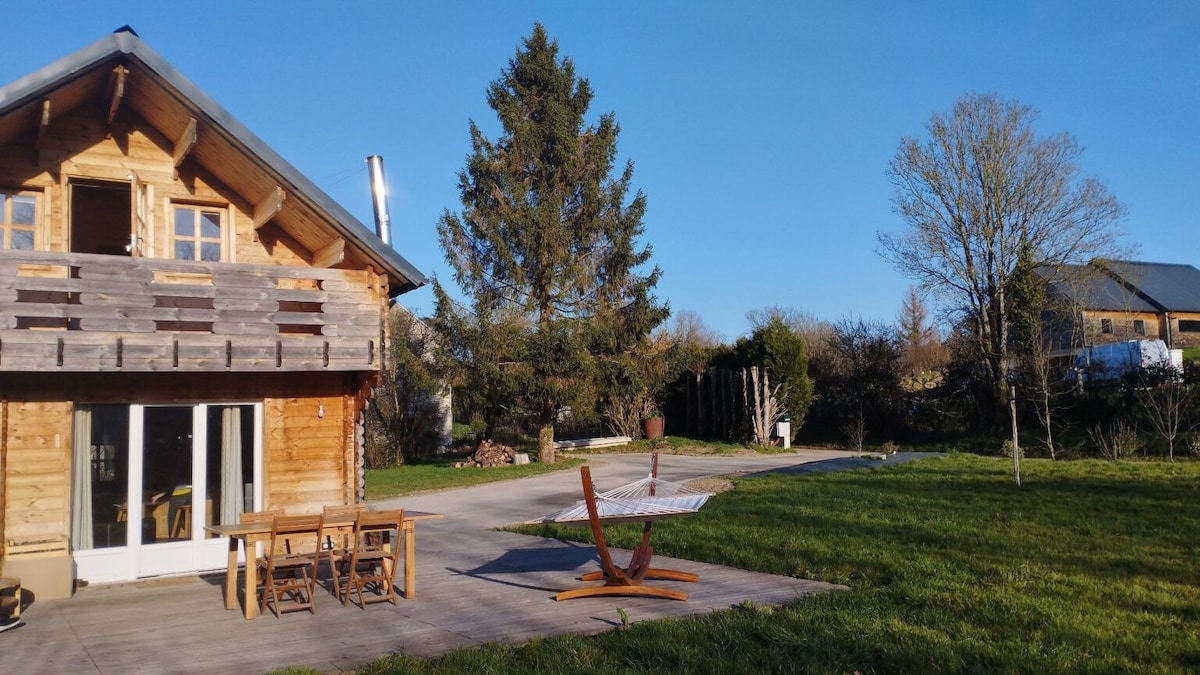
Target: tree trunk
546, 443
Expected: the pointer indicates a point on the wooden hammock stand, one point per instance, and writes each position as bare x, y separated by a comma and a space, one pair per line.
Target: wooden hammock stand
626, 581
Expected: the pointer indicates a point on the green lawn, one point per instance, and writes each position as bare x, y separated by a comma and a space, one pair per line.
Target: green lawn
439, 474
1089, 567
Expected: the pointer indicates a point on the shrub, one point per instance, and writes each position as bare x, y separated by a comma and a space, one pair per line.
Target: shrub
1120, 441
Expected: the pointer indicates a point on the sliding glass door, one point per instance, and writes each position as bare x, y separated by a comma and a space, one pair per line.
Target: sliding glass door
155, 476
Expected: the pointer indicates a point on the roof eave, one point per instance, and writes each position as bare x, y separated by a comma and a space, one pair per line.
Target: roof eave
36, 84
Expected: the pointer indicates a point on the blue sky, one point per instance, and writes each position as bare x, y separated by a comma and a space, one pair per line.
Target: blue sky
760, 132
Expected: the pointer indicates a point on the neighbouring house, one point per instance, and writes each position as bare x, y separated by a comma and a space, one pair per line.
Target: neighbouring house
1114, 300
189, 328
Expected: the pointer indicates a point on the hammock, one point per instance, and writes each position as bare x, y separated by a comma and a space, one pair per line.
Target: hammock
650, 498
646, 500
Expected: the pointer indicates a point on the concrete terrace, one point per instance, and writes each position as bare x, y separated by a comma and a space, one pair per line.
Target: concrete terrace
474, 585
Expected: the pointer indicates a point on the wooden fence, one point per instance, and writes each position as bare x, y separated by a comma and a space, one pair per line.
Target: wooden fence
729, 405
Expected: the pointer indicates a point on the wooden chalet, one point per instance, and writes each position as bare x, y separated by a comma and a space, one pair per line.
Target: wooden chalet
189, 328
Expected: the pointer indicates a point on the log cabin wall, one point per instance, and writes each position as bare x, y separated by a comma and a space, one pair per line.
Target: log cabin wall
308, 458
82, 147
37, 448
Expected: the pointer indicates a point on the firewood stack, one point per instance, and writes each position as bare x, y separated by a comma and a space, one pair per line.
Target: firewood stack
490, 453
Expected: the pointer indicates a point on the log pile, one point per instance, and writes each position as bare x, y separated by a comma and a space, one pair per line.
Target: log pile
489, 453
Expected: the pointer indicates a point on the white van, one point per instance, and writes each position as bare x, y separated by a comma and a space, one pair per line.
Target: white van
1113, 361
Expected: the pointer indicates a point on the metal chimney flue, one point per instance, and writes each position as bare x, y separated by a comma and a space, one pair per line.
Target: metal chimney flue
383, 224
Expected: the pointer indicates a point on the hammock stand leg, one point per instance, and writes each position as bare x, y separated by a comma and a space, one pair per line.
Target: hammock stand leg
623, 581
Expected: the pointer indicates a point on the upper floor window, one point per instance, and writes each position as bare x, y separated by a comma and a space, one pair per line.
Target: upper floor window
1106, 326
18, 218
198, 233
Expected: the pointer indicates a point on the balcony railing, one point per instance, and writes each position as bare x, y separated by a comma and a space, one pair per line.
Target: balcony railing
74, 312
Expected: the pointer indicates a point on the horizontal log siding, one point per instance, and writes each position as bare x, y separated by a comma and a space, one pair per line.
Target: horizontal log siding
304, 462
76, 312
308, 460
37, 445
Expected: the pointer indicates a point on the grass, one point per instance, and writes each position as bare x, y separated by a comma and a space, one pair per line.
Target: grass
439, 474
1089, 567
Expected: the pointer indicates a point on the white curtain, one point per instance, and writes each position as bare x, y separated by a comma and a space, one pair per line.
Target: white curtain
231, 465
81, 481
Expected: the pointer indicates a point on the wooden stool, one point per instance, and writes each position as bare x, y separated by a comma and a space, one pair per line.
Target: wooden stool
183, 521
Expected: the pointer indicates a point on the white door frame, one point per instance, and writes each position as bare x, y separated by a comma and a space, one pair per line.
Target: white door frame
135, 559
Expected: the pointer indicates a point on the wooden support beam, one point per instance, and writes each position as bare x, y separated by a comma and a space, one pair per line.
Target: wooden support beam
330, 254
184, 144
43, 124
269, 206
116, 91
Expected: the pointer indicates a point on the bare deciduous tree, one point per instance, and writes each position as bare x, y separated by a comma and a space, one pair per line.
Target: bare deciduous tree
764, 406
1165, 401
978, 187
687, 329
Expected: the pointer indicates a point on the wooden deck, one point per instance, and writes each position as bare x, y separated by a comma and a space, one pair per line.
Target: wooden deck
473, 587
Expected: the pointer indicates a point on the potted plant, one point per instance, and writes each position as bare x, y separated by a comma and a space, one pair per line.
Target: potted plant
652, 424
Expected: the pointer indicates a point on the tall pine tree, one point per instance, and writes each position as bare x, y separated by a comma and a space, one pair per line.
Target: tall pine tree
546, 234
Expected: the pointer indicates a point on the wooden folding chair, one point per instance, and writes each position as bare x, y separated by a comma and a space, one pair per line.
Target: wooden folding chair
337, 545
252, 557
340, 512
372, 559
289, 567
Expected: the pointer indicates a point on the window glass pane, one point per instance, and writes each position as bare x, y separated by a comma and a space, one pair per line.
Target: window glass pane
185, 223
23, 207
185, 250
210, 224
99, 477
210, 252
22, 239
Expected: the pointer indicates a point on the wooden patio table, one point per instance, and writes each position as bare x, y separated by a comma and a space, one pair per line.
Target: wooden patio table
252, 533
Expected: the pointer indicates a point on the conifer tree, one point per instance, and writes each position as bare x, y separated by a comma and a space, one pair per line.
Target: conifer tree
546, 234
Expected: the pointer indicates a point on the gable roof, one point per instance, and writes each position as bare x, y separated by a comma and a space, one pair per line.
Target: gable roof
168, 102
1091, 288
1127, 285
1171, 287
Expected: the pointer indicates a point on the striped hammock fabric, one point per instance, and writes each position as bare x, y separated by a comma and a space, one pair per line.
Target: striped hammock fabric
645, 499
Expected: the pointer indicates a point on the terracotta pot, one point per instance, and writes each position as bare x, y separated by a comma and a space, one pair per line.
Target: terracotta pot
652, 427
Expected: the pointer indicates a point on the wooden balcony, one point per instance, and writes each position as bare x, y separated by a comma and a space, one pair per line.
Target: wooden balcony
73, 312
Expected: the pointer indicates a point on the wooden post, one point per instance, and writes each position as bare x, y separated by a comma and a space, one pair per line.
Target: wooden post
1012, 406
712, 401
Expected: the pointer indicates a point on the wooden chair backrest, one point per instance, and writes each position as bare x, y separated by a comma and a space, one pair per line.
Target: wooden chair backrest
297, 534
261, 516
379, 521
340, 511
